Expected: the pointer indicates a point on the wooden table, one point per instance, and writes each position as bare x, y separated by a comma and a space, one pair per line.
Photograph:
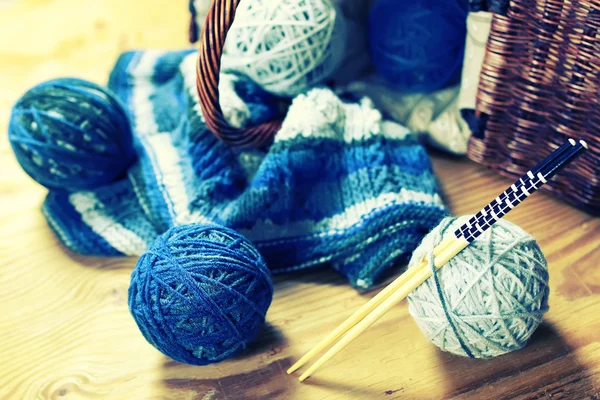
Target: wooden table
66, 332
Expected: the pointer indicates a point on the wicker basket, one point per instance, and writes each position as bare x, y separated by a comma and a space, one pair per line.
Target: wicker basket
540, 84
218, 20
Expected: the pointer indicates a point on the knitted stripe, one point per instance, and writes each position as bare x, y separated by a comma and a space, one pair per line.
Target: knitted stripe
345, 159
263, 228
117, 205
71, 230
159, 171
394, 222
107, 221
323, 200
124, 81
98, 217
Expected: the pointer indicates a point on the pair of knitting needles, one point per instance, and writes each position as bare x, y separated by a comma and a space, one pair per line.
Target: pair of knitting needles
443, 252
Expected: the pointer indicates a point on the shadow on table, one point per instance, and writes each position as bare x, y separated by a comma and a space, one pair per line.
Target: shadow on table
256, 373
322, 275
269, 341
546, 367
352, 390
99, 262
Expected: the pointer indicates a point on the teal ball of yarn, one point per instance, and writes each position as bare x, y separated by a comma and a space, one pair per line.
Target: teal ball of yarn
71, 134
418, 46
487, 300
200, 293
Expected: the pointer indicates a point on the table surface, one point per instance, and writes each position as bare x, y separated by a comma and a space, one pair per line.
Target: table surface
66, 331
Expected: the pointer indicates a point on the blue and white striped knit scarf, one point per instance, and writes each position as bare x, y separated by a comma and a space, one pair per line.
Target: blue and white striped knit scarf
339, 185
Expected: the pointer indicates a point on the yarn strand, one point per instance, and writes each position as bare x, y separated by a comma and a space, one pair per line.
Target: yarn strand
449, 314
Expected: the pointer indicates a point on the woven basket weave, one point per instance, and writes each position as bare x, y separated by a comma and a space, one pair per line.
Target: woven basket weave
539, 85
218, 21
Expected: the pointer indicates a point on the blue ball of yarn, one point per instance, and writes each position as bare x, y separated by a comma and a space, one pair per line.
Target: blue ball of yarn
200, 293
71, 134
418, 46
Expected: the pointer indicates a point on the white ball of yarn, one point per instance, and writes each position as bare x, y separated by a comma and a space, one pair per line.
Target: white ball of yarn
489, 299
285, 46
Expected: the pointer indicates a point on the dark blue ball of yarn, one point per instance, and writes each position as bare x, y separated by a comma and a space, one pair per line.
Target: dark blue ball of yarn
200, 293
418, 46
71, 134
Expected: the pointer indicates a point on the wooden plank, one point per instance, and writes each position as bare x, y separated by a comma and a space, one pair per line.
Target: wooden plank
66, 331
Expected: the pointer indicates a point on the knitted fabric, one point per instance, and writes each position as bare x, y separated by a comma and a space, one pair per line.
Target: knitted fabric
487, 300
338, 185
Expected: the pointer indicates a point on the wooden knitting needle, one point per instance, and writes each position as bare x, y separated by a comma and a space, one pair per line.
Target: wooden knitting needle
366, 308
422, 272
412, 278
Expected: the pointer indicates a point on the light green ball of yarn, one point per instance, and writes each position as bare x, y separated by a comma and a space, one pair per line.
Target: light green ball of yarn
487, 300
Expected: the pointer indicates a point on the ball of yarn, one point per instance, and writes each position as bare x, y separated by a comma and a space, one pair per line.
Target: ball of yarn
71, 134
286, 46
488, 299
418, 46
200, 293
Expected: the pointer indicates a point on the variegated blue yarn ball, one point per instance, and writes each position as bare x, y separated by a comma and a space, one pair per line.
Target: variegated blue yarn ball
71, 134
487, 300
200, 293
418, 46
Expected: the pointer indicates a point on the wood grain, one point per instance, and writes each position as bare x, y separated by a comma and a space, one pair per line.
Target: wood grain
66, 331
